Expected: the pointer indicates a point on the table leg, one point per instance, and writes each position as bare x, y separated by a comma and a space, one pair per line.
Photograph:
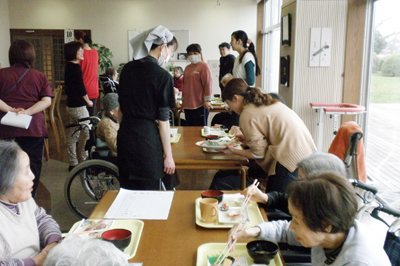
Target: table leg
243, 174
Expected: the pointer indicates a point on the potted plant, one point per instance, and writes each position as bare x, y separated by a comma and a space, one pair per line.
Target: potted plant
105, 56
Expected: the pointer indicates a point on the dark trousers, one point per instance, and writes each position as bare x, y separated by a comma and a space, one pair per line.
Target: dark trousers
196, 117
138, 183
34, 148
231, 180
92, 110
281, 180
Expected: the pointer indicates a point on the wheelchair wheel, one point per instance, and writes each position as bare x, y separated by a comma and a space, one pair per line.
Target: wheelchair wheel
87, 183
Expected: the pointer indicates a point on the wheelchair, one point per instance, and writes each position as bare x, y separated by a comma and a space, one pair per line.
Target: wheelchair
387, 216
90, 180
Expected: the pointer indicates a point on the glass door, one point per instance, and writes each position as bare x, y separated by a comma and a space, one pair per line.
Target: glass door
383, 124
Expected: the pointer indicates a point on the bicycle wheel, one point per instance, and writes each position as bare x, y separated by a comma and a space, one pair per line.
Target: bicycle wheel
87, 183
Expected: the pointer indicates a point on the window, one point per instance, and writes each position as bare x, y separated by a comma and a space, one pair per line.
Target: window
271, 41
382, 96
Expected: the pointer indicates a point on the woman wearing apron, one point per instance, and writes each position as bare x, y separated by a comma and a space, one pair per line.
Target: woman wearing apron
146, 95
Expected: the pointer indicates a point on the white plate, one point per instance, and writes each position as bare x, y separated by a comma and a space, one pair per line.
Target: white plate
210, 148
241, 261
223, 216
217, 103
214, 131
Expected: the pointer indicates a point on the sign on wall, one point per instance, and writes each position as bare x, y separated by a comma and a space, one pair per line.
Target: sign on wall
68, 36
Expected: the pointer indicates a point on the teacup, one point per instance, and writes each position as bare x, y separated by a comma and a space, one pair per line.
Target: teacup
208, 210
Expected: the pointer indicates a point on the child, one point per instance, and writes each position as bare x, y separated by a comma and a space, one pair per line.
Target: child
178, 78
111, 85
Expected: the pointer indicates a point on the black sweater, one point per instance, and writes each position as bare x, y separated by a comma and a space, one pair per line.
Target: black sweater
74, 87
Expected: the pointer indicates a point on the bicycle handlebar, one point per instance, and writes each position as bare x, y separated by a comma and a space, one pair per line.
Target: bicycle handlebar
360, 184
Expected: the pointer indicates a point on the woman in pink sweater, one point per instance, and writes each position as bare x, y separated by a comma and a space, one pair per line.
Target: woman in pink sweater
197, 88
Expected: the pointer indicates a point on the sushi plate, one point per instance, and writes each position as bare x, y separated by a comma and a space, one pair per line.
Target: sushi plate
208, 250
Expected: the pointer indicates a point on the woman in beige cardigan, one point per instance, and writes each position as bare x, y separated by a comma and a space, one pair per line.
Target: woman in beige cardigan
276, 136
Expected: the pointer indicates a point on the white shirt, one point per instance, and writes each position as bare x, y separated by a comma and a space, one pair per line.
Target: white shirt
238, 68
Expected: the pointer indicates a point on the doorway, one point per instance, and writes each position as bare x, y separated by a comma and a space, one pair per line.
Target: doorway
49, 48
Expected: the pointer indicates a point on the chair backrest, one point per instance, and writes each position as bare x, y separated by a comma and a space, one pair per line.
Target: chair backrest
349, 147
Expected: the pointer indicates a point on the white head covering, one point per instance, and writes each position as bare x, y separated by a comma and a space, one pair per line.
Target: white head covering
142, 43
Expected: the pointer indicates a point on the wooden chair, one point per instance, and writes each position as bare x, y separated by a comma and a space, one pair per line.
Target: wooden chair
54, 120
55, 117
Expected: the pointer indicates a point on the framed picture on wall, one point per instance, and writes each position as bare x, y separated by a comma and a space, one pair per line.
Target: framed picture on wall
181, 56
285, 70
286, 29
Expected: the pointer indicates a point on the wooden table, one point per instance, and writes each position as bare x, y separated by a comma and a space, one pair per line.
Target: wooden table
173, 241
216, 109
189, 156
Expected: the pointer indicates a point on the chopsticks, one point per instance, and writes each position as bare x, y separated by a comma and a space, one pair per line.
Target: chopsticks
247, 199
220, 259
225, 251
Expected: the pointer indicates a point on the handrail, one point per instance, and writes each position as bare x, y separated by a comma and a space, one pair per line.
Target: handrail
339, 108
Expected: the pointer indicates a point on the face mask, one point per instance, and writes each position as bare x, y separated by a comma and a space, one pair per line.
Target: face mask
163, 61
194, 59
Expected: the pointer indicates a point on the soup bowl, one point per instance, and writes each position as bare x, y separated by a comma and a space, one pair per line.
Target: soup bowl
215, 194
262, 251
119, 237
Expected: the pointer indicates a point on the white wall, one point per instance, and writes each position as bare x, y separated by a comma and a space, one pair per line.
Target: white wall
208, 23
4, 33
318, 84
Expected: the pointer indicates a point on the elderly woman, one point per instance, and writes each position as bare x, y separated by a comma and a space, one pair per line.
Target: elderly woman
317, 162
24, 90
27, 233
107, 129
75, 251
323, 208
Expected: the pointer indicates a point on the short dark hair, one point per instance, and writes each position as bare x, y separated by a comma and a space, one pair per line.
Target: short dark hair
9, 158
325, 199
194, 47
179, 68
22, 52
79, 35
224, 44
70, 50
110, 72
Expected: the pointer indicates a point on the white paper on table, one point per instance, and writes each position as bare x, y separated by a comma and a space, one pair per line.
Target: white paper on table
141, 204
14, 120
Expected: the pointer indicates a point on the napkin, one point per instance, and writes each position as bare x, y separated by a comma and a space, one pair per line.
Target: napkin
232, 197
